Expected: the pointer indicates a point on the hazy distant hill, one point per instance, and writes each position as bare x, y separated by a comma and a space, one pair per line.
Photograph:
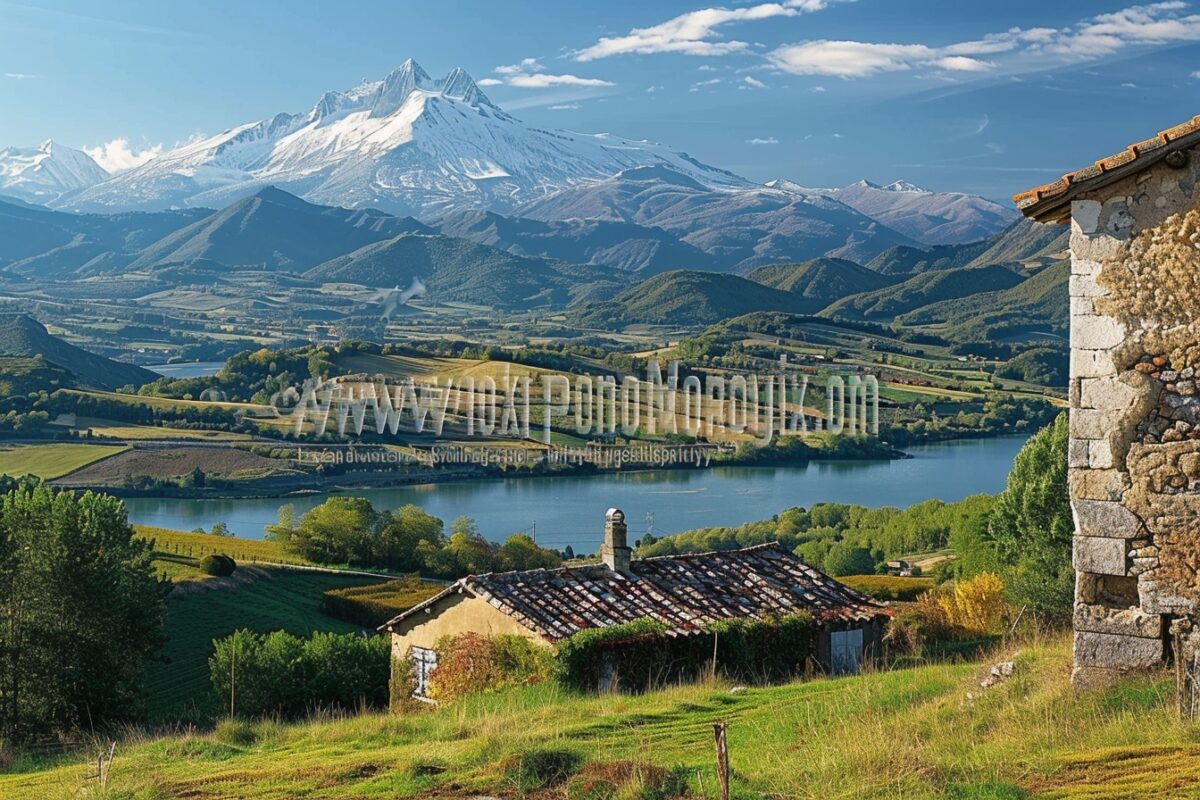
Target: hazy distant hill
621, 244
452, 270
886, 304
43, 243
686, 297
820, 281
741, 229
1024, 240
25, 337
275, 230
928, 217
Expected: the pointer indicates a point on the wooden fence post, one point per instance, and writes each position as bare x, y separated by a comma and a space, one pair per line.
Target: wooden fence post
722, 760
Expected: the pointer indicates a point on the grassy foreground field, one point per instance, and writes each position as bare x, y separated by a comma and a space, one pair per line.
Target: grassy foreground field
49, 461
924, 732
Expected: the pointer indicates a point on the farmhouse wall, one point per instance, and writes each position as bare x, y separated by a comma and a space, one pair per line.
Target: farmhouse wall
1134, 453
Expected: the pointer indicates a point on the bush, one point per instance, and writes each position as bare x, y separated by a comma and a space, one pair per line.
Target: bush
278, 673
639, 655
541, 768
889, 587
217, 564
474, 663
975, 606
608, 780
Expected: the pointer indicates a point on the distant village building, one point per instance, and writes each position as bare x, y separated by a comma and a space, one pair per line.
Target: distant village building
686, 593
1134, 459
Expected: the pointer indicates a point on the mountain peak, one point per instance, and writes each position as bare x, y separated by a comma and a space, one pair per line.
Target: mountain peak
864, 184
904, 186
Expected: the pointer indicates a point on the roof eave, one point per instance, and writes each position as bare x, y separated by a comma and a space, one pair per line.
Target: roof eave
1051, 203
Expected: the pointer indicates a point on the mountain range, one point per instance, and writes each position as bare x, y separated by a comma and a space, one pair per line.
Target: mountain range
436, 149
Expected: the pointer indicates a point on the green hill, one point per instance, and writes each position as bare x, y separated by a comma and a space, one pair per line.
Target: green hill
452, 270
1036, 307
685, 297
820, 281
1026, 240
274, 230
921, 290
26, 338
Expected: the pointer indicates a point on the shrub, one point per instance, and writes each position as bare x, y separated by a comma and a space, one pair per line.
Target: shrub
541, 768
889, 587
639, 654
607, 780
217, 564
975, 605
472, 663
278, 673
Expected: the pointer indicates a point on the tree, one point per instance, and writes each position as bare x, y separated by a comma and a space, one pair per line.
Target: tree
282, 530
845, 559
339, 531
81, 611
1030, 527
221, 529
401, 534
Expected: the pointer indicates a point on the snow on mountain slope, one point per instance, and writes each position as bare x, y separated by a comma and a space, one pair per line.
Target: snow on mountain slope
46, 172
407, 144
928, 217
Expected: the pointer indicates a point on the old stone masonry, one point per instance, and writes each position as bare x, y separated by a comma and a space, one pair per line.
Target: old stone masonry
1134, 457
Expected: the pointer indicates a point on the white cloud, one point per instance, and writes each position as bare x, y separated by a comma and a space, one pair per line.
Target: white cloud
525, 65
20, 76
817, 89
1094, 37
753, 83
1128, 85
706, 68
698, 85
117, 156
692, 33
767, 140
529, 73
564, 106
655, 88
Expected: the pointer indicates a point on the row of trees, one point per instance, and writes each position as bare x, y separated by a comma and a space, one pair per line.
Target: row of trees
349, 530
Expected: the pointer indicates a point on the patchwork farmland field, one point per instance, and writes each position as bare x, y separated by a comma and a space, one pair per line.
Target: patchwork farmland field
53, 460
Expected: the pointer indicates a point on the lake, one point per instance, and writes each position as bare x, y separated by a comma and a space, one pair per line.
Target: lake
570, 510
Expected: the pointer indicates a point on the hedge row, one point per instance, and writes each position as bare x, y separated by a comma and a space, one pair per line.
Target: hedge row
640, 655
373, 605
278, 673
889, 587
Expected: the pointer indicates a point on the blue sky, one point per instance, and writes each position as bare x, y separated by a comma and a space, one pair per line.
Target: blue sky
981, 96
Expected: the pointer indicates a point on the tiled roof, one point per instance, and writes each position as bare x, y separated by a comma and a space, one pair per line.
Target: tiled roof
1052, 201
685, 592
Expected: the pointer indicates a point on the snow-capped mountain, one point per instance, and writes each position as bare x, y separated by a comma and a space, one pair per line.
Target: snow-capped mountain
928, 217
408, 144
44, 173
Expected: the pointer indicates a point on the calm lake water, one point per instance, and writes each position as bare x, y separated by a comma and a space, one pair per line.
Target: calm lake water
570, 510
190, 369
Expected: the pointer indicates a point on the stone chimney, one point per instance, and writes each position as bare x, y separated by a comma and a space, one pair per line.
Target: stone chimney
615, 553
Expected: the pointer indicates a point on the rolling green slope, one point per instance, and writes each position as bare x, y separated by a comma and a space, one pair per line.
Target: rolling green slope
454, 270
821, 281
686, 297
25, 337
922, 289
284, 600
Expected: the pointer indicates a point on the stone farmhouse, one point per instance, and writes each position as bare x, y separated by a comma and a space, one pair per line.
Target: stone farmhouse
1134, 460
685, 593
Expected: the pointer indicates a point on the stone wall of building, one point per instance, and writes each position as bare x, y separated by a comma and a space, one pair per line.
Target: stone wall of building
1134, 454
